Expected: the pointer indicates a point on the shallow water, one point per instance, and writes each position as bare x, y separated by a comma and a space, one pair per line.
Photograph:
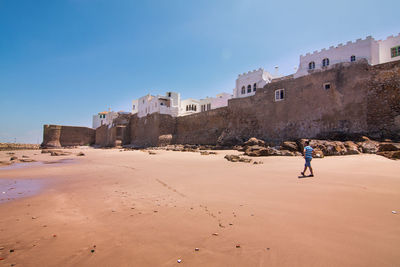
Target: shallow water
11, 189
22, 165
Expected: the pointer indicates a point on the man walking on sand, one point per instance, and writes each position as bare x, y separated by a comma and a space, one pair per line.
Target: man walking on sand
307, 153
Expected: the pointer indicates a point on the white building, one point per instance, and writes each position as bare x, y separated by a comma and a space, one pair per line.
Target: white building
221, 100
247, 83
168, 104
103, 118
135, 106
389, 49
375, 52
189, 106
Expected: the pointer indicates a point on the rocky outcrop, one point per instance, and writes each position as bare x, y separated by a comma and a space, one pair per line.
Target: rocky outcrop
390, 154
385, 146
351, 148
236, 158
369, 146
291, 146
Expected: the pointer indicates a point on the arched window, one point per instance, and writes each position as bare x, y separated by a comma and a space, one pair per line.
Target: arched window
311, 65
352, 58
249, 88
187, 108
254, 87
325, 62
195, 108
243, 90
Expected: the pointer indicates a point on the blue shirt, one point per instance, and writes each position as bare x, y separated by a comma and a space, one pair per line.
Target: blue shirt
308, 152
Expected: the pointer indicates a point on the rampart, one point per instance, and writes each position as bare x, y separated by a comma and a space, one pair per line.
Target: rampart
64, 136
361, 100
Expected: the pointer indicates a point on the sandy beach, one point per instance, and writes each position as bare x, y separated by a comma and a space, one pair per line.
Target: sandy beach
129, 208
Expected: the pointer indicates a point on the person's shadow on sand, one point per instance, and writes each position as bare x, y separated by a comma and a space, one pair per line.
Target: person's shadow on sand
303, 176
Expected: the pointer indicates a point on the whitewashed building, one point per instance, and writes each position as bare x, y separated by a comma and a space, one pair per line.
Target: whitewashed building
135, 106
247, 83
369, 49
168, 104
103, 118
189, 106
389, 49
221, 100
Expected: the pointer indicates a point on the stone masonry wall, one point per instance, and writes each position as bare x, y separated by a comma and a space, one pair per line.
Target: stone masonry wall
61, 136
201, 128
307, 111
149, 130
361, 100
383, 101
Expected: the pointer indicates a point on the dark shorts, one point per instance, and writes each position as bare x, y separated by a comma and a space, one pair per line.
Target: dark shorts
308, 162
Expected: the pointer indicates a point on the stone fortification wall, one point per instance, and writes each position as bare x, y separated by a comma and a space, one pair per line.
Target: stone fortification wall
201, 128
113, 136
308, 110
383, 101
151, 130
61, 136
361, 100
101, 138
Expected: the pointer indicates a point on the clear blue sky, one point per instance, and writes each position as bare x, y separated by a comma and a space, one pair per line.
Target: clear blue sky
63, 61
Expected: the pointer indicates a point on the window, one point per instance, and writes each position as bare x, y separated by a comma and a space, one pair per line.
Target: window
279, 94
254, 87
243, 90
249, 88
161, 104
395, 51
209, 106
187, 107
352, 58
325, 62
169, 94
327, 86
311, 65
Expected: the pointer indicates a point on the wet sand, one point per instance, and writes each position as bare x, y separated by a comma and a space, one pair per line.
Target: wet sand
112, 208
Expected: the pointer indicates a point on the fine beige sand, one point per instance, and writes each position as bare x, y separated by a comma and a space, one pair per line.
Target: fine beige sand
136, 209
